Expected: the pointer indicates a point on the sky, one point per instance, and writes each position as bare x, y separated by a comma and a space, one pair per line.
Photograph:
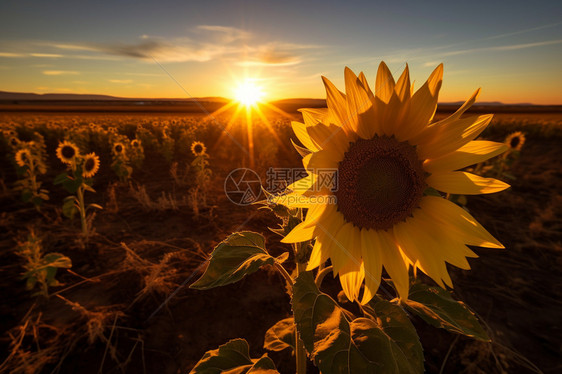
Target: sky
180, 49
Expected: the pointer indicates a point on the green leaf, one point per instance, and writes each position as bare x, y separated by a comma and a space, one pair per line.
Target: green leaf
437, 307
233, 357
61, 178
242, 253
339, 346
281, 335
401, 332
68, 207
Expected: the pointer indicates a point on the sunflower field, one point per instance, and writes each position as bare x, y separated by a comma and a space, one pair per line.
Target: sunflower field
131, 243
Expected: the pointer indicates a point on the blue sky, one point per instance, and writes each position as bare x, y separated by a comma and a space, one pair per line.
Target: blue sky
513, 50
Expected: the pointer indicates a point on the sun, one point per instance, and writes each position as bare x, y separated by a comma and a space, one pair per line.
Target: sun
248, 93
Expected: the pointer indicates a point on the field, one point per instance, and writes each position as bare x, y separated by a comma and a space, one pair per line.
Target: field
124, 305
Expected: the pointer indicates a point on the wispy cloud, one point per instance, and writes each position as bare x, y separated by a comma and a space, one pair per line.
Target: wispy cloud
502, 47
60, 72
47, 55
226, 34
121, 81
10, 54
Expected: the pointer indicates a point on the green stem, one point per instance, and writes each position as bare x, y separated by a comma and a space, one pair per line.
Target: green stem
285, 275
300, 352
80, 194
321, 274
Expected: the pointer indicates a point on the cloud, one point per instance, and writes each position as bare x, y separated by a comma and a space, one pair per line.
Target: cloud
9, 54
60, 72
47, 55
226, 34
121, 81
502, 47
275, 54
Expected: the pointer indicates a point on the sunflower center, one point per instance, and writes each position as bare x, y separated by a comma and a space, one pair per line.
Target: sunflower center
89, 164
198, 148
515, 142
68, 152
381, 182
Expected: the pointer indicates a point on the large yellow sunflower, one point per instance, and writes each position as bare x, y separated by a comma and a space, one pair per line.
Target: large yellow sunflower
91, 165
389, 160
67, 152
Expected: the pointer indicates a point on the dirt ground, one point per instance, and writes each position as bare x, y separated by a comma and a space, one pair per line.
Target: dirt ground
125, 306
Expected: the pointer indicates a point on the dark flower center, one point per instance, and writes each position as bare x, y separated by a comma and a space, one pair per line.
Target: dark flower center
380, 182
118, 148
198, 148
514, 142
68, 152
89, 165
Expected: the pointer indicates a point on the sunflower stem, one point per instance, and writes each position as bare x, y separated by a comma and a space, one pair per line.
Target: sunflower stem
300, 352
82, 209
321, 274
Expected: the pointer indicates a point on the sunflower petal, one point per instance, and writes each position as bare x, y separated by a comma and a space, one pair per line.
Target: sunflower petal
393, 262
321, 160
300, 131
312, 116
472, 153
330, 137
337, 108
402, 88
459, 222
300, 233
317, 257
360, 110
423, 105
463, 183
422, 249
372, 261
450, 136
384, 84
346, 259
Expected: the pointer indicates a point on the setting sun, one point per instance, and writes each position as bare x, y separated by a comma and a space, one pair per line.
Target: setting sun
248, 93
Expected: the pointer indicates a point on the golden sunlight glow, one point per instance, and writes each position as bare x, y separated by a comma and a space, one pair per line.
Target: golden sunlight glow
248, 93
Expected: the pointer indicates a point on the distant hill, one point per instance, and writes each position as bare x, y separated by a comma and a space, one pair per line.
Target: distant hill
25, 96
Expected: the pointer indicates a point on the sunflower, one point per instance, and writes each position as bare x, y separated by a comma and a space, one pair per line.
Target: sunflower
22, 157
118, 148
135, 143
91, 165
67, 152
515, 141
389, 161
198, 148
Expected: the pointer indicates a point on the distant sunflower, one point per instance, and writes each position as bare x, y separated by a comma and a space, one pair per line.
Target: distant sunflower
118, 148
515, 141
91, 165
198, 148
386, 154
13, 141
135, 143
22, 157
67, 152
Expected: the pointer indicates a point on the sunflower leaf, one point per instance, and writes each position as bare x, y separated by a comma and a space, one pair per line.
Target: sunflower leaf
240, 254
437, 307
281, 335
397, 325
339, 346
233, 357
